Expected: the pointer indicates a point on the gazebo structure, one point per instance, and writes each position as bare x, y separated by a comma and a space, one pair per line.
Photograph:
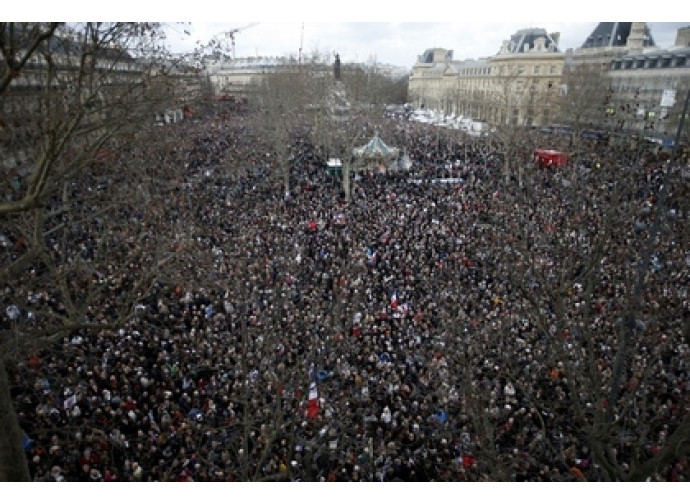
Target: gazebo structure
375, 154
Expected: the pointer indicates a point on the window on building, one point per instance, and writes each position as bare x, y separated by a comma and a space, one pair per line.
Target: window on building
552, 69
515, 117
665, 62
680, 61
652, 63
536, 69
530, 117
521, 69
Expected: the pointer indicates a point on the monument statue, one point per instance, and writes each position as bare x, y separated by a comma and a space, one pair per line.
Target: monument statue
336, 67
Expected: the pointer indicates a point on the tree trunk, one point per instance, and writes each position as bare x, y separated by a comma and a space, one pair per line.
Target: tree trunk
13, 463
506, 168
346, 181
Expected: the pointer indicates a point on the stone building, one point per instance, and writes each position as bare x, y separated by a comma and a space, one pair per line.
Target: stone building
526, 75
470, 91
431, 83
611, 40
641, 86
506, 88
649, 87
236, 77
527, 81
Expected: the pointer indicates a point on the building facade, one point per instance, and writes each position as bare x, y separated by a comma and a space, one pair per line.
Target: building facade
506, 88
526, 76
432, 81
236, 77
649, 89
527, 81
93, 85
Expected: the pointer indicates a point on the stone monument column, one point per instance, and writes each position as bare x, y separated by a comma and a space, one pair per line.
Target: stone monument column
336, 67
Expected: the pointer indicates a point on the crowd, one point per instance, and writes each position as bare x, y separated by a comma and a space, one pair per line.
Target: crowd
403, 316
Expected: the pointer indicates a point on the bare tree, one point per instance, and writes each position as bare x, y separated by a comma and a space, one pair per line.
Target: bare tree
285, 98
586, 92
77, 220
510, 101
588, 294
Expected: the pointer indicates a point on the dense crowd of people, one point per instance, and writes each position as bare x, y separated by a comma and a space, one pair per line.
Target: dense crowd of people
412, 333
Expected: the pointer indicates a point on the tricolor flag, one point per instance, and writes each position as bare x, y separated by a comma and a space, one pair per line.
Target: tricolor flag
394, 300
313, 400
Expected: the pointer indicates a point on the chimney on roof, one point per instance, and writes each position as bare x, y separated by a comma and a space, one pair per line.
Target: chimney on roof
540, 44
636, 37
683, 36
556, 37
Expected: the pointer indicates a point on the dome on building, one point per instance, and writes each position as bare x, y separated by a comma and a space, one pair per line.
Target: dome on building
618, 35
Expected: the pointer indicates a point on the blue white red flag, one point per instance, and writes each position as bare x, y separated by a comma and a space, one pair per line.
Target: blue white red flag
394, 300
313, 398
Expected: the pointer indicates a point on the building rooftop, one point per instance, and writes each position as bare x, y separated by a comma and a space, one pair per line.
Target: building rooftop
672, 58
530, 39
614, 35
435, 55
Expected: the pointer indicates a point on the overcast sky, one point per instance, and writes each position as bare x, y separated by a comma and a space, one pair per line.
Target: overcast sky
364, 30
395, 43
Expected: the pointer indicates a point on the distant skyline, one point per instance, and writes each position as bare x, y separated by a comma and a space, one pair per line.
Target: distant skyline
398, 44
361, 31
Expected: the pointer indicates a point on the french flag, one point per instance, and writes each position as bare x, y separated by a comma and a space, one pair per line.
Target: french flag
313, 398
394, 300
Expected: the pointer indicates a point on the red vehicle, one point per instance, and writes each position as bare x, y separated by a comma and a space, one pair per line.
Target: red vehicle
547, 158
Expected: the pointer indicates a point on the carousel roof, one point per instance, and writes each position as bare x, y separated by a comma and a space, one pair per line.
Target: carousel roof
376, 148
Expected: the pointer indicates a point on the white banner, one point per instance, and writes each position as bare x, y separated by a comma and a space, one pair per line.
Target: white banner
668, 97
